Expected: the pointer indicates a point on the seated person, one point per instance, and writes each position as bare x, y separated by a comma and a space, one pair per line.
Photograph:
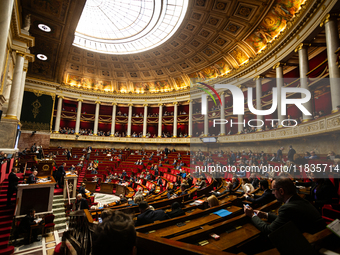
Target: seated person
200, 184
94, 171
230, 187
176, 211
83, 190
139, 192
148, 216
32, 178
183, 190
213, 201
254, 180
115, 235
95, 179
170, 190
25, 226
296, 209
265, 198
152, 190
80, 203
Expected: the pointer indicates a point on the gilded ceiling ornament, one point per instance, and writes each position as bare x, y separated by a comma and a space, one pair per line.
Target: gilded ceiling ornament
36, 105
38, 93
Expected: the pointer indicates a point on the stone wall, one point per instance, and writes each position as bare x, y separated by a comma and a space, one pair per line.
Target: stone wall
27, 139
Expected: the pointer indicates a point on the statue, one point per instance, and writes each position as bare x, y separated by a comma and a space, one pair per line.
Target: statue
27, 24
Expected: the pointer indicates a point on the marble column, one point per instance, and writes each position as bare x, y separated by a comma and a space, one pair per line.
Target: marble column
57, 118
302, 50
258, 82
145, 120
22, 91
16, 87
160, 117
332, 42
190, 118
240, 120
96, 118
128, 133
78, 116
175, 120
8, 81
113, 121
206, 119
279, 84
6, 8
222, 131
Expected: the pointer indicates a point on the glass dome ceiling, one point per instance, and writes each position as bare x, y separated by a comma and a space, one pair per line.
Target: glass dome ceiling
128, 26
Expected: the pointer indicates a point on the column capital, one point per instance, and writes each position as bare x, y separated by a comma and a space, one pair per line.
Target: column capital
114, 103
302, 45
97, 102
190, 101
279, 64
175, 103
221, 93
61, 97
145, 105
327, 18
258, 77
130, 104
160, 104
20, 53
80, 100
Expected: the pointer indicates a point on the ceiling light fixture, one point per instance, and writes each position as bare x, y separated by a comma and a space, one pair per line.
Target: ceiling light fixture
42, 57
44, 28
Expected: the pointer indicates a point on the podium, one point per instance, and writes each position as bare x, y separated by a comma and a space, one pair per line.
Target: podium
70, 181
38, 196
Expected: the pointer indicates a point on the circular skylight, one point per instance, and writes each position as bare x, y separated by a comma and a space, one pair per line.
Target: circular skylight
128, 26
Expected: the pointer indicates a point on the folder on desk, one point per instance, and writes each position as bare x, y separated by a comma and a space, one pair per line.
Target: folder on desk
222, 213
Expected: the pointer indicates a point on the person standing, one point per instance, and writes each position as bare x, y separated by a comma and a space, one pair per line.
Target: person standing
291, 153
60, 175
13, 180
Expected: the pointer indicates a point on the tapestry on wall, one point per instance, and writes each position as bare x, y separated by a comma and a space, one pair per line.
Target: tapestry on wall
36, 111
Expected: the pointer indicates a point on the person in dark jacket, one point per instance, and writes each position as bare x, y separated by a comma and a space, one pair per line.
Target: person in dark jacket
291, 153
81, 203
148, 216
265, 198
13, 180
60, 175
176, 211
295, 209
32, 178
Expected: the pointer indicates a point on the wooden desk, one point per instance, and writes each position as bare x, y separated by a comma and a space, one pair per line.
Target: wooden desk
91, 186
38, 196
107, 187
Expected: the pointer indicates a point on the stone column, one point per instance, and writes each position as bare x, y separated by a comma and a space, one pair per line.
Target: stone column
57, 118
78, 116
8, 81
128, 133
160, 116
6, 8
113, 121
145, 120
279, 84
258, 82
175, 120
22, 91
190, 119
96, 118
16, 87
332, 42
240, 120
222, 95
302, 50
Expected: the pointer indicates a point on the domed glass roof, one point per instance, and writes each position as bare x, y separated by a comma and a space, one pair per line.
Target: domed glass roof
128, 26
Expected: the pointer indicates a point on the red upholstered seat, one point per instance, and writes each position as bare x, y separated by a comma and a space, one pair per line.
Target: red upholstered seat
49, 218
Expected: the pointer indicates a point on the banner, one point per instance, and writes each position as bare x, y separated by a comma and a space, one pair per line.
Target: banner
37, 108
